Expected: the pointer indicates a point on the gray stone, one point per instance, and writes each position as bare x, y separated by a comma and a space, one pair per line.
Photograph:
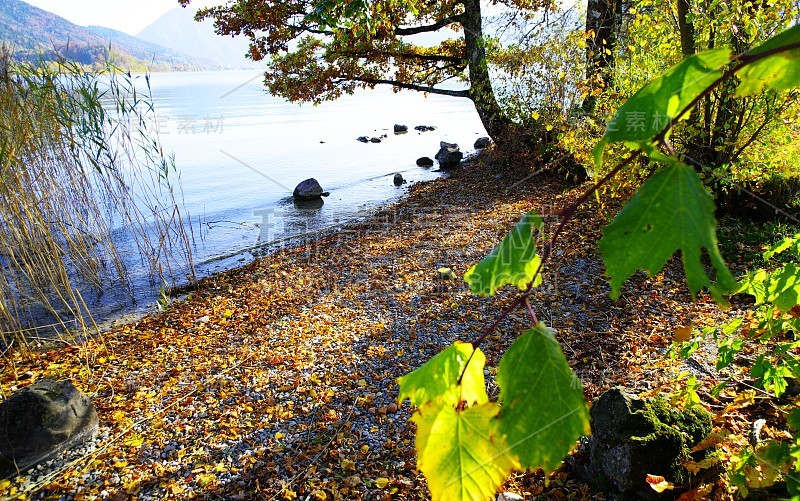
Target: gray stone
633, 437
363, 139
308, 190
425, 162
41, 420
483, 142
374, 140
449, 155
398, 179
424, 128
509, 496
399, 129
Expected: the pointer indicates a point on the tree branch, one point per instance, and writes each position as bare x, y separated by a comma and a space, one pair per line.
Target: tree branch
431, 27
420, 88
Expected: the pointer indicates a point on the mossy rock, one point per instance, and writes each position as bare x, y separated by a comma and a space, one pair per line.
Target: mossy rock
633, 437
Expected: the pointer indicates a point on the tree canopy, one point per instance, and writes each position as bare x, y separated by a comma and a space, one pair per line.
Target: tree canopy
319, 50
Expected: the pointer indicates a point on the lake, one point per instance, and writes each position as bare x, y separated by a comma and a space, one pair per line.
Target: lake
240, 152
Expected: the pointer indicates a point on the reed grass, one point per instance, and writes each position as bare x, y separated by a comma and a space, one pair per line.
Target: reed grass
81, 170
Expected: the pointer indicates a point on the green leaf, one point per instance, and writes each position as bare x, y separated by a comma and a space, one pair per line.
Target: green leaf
780, 287
512, 262
438, 378
543, 412
672, 211
778, 71
787, 243
658, 103
461, 453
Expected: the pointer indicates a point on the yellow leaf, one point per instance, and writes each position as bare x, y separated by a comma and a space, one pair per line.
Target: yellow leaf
362, 383
279, 435
120, 464
289, 495
348, 465
227, 314
548, 128
682, 333
319, 494
118, 416
364, 449
381, 482
220, 468
658, 483
206, 478
5, 484
535, 115
133, 441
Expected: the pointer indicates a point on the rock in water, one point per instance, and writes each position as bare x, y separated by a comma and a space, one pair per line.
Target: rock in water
363, 139
425, 162
482, 142
399, 129
424, 128
634, 437
398, 179
41, 420
308, 190
374, 140
449, 155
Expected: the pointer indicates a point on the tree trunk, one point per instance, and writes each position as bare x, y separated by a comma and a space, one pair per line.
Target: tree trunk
496, 123
603, 21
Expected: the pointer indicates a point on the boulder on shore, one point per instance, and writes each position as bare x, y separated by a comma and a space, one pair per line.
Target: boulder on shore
363, 139
41, 420
399, 129
483, 142
309, 189
634, 437
424, 128
425, 162
398, 179
449, 155
374, 140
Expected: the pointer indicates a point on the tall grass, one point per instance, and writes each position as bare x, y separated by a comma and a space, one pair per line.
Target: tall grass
81, 170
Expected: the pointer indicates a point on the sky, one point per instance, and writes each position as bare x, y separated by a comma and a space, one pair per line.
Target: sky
130, 17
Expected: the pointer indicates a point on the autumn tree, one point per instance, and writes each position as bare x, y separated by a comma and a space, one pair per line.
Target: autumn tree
319, 50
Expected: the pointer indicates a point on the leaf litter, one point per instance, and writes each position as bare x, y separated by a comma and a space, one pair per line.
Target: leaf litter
278, 380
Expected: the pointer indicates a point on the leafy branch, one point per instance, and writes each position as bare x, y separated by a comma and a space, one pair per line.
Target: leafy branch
672, 211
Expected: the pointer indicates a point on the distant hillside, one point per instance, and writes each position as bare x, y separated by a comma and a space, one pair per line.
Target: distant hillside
178, 30
35, 33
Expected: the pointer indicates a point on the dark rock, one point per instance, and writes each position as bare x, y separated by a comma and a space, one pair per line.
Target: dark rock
449, 155
41, 420
374, 140
399, 129
482, 142
363, 139
633, 437
398, 179
424, 128
308, 190
425, 162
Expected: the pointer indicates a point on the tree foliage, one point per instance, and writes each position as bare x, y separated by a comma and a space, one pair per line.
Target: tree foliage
540, 412
319, 50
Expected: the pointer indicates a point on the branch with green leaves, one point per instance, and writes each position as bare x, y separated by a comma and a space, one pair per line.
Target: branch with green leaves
467, 444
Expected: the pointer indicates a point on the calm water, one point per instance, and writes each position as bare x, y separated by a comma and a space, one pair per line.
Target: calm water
240, 152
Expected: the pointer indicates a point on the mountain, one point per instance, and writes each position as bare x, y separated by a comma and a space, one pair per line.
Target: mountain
178, 30
34, 33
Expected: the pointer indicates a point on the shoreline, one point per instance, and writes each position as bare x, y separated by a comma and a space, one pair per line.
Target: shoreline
278, 379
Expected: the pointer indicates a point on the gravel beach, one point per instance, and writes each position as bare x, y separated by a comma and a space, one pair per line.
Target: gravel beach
278, 380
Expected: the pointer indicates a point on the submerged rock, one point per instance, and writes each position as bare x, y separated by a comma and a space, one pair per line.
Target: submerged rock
449, 155
424, 128
399, 129
41, 420
363, 139
634, 437
309, 189
398, 179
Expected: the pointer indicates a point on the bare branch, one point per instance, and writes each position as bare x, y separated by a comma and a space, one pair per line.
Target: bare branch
421, 88
431, 27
